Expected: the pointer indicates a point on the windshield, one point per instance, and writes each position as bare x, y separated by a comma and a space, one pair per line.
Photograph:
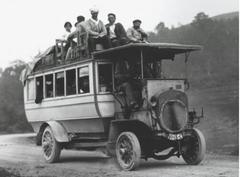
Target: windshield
151, 69
135, 69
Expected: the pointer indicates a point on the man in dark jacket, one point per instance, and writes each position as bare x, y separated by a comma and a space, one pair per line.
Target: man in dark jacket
116, 31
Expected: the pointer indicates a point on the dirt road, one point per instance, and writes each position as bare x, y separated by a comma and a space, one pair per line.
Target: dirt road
20, 157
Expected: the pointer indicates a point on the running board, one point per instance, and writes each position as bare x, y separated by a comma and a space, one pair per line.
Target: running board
90, 145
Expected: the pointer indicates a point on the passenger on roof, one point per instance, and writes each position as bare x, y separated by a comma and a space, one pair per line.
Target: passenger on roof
136, 33
80, 24
116, 31
65, 37
97, 32
80, 27
68, 27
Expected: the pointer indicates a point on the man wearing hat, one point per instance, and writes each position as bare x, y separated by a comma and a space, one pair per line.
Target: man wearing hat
136, 34
116, 31
97, 31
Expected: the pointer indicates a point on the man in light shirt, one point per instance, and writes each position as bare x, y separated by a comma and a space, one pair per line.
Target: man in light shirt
68, 27
136, 34
97, 32
116, 31
65, 38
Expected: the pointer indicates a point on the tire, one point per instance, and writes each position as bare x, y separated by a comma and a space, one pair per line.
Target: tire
38, 139
194, 147
50, 147
128, 151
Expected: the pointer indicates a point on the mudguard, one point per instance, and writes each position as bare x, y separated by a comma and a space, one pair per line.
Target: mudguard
59, 131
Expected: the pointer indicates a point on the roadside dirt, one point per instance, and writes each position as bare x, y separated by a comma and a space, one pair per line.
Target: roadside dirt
20, 157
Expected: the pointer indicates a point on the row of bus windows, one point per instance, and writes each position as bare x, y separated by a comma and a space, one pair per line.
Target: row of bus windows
57, 81
71, 87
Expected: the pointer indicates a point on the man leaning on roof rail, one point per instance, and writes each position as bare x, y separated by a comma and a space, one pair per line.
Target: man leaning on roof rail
80, 27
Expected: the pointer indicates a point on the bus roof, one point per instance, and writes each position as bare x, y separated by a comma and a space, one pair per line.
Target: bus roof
154, 50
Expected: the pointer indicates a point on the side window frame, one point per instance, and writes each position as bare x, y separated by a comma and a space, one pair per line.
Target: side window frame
53, 84
33, 82
64, 83
98, 81
76, 84
38, 99
89, 79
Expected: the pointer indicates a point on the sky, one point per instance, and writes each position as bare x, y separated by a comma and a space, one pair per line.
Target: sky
29, 26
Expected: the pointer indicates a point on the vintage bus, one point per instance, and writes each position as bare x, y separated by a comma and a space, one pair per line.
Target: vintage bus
76, 104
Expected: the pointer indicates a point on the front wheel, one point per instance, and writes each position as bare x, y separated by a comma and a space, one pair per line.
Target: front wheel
51, 148
193, 147
128, 151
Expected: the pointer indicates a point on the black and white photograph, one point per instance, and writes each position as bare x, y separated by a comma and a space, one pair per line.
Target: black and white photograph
119, 88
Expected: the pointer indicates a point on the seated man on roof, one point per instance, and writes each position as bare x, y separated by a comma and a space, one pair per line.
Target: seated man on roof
97, 32
116, 31
136, 33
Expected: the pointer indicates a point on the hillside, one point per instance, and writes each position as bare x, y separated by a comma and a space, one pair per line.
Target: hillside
226, 16
212, 72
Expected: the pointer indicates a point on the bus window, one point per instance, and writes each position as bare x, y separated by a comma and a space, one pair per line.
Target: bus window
30, 89
83, 80
71, 82
39, 89
49, 85
105, 77
59, 84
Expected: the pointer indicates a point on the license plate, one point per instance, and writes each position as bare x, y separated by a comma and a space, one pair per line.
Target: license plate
173, 137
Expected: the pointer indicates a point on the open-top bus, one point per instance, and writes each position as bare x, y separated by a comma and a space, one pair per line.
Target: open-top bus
75, 104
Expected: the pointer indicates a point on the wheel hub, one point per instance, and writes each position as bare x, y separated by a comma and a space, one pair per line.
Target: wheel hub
125, 151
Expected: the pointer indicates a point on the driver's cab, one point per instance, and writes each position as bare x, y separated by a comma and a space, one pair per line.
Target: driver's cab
141, 66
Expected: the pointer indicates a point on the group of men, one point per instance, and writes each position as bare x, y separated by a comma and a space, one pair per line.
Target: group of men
110, 35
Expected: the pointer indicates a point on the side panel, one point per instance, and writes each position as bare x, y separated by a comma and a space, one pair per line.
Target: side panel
77, 114
62, 108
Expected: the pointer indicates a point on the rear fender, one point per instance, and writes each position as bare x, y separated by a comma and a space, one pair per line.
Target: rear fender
59, 131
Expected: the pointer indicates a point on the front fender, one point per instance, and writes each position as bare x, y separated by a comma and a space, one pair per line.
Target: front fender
59, 131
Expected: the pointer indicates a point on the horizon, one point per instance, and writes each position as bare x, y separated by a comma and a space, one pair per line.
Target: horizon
20, 42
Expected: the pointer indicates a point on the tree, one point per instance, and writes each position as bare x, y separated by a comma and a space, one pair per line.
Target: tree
12, 114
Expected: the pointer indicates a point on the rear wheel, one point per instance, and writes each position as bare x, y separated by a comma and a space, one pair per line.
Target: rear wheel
194, 147
128, 151
51, 148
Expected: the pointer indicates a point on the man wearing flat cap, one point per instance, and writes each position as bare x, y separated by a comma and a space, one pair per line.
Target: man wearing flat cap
116, 31
136, 34
97, 31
